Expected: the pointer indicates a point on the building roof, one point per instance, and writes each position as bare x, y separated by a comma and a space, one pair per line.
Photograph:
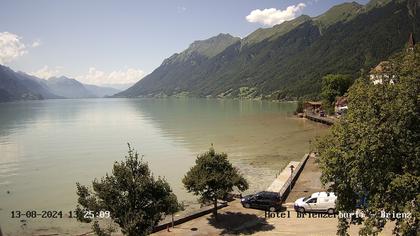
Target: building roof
314, 103
341, 101
381, 67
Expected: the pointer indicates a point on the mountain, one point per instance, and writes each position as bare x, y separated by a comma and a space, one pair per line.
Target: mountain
68, 88
340, 13
20, 86
208, 48
180, 70
38, 85
287, 60
11, 88
377, 3
119, 87
100, 91
71, 88
276, 31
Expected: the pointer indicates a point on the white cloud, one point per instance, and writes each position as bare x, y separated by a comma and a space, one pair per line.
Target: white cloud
95, 76
98, 77
36, 43
11, 47
46, 72
273, 16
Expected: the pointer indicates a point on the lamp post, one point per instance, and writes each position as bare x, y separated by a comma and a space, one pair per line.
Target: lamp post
292, 167
310, 142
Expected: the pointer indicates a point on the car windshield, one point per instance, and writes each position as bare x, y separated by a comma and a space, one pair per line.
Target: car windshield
306, 198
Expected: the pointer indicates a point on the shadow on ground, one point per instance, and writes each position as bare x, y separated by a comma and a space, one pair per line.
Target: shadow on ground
239, 223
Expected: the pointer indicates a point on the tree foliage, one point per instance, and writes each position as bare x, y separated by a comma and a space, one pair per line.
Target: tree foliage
136, 200
373, 153
213, 177
299, 107
334, 86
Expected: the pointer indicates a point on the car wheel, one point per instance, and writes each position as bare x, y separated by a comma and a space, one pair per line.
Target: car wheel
330, 211
272, 209
301, 210
247, 205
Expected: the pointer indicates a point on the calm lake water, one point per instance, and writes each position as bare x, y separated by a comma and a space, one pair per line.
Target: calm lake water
48, 146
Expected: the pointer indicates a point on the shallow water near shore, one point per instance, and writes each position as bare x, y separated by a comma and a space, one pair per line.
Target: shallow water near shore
48, 146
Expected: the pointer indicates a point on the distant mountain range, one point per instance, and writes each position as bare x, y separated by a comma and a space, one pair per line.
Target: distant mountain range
20, 86
287, 60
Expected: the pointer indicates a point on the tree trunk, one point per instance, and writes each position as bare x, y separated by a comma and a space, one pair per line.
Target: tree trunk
215, 208
172, 220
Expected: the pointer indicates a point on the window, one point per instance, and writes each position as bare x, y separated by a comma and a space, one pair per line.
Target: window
313, 200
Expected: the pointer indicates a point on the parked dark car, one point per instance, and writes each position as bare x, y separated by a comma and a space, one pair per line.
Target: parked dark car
262, 200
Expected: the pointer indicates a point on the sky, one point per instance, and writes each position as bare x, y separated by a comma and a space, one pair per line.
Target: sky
118, 42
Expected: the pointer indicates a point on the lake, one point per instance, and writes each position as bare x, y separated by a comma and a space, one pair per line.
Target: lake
47, 146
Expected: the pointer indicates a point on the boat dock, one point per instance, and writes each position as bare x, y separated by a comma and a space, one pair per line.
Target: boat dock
286, 179
319, 119
282, 178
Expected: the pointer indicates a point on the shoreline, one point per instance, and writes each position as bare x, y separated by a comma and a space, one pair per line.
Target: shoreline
145, 97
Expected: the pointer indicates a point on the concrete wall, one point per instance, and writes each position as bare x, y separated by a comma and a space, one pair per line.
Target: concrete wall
285, 190
179, 220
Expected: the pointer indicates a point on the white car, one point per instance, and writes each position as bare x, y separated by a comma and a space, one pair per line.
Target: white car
317, 202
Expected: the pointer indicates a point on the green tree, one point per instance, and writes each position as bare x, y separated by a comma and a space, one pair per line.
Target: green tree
213, 177
135, 199
332, 87
174, 206
299, 107
373, 153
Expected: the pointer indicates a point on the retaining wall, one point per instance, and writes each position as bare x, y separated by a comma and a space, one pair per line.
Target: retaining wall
179, 220
285, 190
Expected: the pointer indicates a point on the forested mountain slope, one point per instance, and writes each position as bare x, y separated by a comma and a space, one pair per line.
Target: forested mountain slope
287, 60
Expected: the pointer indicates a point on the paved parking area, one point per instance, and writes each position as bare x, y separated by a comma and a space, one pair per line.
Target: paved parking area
236, 220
